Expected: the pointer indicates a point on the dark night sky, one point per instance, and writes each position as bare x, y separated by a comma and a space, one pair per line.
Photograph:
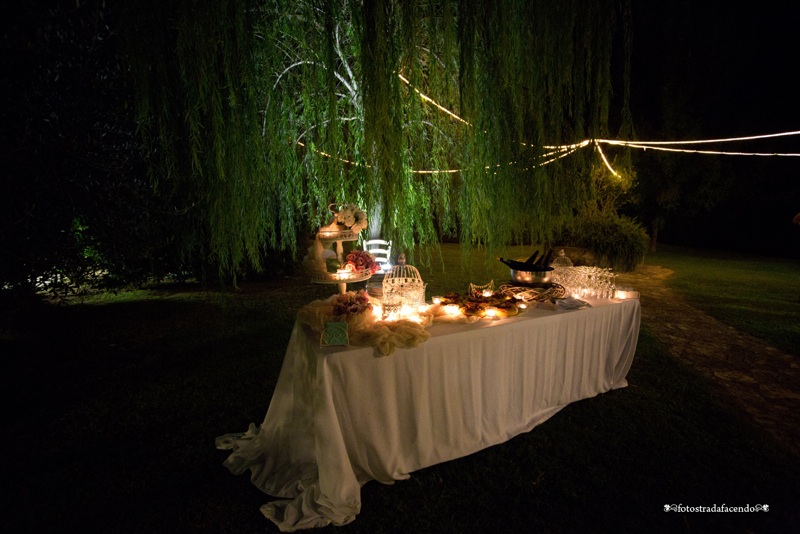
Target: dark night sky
730, 70
738, 63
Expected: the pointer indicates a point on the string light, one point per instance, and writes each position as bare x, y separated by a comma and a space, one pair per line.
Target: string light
566, 147
560, 151
603, 156
431, 101
442, 171
565, 150
321, 153
632, 144
714, 152
706, 141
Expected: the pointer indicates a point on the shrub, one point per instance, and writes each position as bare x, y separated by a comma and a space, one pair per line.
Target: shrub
616, 241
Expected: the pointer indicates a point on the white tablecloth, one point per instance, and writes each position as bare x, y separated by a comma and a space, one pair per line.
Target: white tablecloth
340, 417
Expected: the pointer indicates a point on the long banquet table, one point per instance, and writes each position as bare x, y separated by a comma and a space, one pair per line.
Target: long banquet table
340, 416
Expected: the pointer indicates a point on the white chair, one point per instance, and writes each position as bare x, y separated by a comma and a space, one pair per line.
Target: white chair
382, 250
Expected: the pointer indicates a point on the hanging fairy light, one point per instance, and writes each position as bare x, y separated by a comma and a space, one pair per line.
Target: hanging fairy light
701, 141
431, 101
557, 152
605, 160
560, 151
711, 152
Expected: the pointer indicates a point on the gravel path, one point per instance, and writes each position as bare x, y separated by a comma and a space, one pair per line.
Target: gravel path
762, 381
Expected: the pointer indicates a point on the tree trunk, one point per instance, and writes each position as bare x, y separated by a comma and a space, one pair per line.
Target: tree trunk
653, 237
374, 220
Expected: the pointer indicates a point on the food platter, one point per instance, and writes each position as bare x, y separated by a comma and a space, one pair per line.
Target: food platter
477, 305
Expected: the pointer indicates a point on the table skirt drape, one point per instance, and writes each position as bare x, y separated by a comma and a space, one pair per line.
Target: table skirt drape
340, 417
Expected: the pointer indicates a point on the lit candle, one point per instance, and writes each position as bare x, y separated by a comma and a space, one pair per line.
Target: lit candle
487, 293
452, 309
522, 306
491, 312
437, 300
626, 293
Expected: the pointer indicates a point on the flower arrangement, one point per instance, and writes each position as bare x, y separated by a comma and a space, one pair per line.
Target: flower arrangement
352, 217
361, 260
351, 304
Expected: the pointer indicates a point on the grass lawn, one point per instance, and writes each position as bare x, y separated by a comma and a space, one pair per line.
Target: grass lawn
758, 295
112, 407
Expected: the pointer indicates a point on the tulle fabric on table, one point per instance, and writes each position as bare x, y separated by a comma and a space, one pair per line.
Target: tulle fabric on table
367, 330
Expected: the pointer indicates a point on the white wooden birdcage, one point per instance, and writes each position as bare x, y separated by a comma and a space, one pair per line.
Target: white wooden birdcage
403, 285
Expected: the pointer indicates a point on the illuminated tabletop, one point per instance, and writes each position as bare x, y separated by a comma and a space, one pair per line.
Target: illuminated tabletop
340, 416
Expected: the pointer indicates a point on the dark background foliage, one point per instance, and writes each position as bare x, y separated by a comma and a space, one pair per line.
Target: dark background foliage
75, 196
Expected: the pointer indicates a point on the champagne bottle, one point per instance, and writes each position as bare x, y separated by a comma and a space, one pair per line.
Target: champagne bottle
516, 265
532, 259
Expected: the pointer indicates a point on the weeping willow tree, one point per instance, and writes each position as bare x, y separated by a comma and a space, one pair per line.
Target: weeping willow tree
436, 117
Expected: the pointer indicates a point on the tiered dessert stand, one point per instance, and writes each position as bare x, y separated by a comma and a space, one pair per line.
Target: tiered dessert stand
327, 236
